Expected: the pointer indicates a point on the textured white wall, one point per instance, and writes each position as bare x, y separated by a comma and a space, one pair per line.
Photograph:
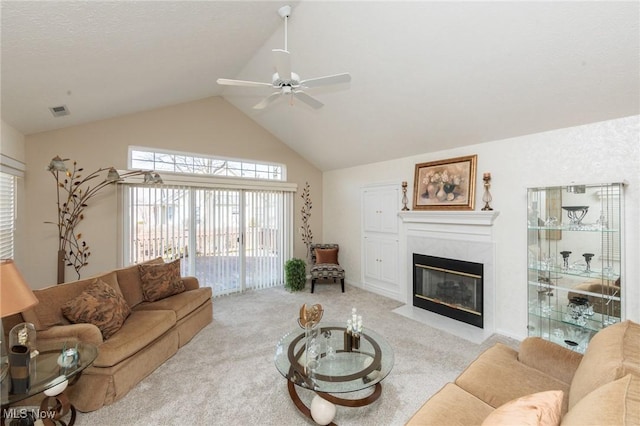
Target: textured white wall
600, 152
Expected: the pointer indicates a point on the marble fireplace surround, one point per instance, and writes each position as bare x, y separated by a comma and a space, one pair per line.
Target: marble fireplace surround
462, 235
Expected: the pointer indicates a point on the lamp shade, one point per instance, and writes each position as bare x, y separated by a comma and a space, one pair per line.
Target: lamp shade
15, 294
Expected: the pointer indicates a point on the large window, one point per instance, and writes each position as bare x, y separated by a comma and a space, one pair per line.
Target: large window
232, 234
199, 164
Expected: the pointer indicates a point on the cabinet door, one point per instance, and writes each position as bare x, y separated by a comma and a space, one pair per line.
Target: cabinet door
380, 210
381, 259
389, 210
372, 211
371, 258
389, 260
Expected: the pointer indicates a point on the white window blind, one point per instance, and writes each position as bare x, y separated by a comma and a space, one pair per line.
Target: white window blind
7, 215
230, 239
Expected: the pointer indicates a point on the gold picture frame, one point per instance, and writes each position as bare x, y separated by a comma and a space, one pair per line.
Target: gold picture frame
446, 184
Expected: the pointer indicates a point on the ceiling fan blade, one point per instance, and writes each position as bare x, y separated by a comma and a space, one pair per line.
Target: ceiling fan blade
267, 101
311, 101
327, 80
283, 63
243, 83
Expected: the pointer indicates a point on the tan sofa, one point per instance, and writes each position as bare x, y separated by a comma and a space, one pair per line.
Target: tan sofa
151, 334
600, 388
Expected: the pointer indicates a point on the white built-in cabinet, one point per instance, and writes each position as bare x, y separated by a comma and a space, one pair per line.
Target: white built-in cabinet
380, 239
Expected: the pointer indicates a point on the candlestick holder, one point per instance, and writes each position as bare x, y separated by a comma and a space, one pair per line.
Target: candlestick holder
486, 197
404, 197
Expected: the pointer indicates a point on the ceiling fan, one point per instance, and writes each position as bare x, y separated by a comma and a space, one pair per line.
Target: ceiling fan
286, 82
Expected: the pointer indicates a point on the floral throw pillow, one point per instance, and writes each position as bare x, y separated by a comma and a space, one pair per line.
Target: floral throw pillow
160, 280
99, 304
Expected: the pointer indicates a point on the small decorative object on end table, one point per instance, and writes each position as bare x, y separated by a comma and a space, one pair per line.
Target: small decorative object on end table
404, 197
486, 197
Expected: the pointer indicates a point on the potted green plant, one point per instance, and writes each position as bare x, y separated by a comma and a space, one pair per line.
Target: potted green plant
295, 274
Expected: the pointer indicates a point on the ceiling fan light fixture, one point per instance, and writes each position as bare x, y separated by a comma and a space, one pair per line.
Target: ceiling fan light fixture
286, 82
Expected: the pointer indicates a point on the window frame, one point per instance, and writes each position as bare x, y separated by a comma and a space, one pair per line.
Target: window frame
246, 169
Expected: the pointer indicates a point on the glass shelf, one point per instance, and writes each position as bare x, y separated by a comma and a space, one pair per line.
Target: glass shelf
595, 322
546, 287
573, 272
587, 227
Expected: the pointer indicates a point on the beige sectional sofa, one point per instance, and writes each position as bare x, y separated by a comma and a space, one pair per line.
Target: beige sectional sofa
150, 334
600, 388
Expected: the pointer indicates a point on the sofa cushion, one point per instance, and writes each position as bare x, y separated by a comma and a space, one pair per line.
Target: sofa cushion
451, 406
160, 280
497, 377
47, 313
138, 331
550, 358
182, 304
99, 304
612, 353
616, 403
130, 284
328, 255
538, 409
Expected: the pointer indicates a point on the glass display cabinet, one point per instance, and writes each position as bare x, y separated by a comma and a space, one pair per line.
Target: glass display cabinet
575, 261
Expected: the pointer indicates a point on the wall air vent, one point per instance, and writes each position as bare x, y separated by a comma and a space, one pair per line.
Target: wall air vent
59, 111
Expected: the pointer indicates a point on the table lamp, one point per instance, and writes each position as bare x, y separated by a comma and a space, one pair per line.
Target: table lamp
15, 297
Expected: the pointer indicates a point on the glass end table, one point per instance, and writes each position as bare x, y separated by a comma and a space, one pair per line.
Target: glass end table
49, 376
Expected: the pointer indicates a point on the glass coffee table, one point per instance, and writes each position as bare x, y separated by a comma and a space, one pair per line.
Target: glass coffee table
334, 369
50, 377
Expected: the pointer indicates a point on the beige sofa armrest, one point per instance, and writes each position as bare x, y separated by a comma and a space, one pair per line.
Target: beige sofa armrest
72, 333
550, 358
190, 283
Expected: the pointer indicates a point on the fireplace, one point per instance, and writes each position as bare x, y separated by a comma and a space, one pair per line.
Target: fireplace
449, 287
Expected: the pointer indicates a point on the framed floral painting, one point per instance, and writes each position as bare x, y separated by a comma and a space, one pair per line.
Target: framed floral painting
446, 184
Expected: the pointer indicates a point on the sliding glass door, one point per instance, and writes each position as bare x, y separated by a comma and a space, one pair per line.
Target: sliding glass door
230, 239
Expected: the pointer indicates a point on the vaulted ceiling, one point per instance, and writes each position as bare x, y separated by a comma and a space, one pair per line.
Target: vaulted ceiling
426, 76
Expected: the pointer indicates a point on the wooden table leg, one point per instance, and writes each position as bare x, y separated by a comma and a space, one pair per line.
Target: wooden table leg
61, 408
293, 393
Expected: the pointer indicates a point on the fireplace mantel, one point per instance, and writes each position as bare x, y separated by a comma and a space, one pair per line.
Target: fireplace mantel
463, 235
478, 218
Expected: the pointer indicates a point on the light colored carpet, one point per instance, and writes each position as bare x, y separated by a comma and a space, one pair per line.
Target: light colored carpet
226, 374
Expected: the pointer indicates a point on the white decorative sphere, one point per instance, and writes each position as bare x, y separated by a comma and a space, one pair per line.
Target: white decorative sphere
322, 410
57, 389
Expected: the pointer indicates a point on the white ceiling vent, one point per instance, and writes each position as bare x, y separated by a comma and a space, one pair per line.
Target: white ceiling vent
59, 111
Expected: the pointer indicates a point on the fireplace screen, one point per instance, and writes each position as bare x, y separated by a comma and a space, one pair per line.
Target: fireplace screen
449, 287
